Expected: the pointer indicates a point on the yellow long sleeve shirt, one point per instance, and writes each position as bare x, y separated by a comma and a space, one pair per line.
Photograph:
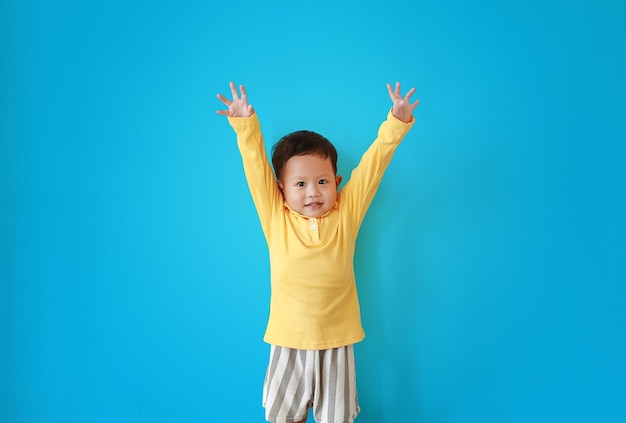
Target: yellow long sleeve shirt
314, 303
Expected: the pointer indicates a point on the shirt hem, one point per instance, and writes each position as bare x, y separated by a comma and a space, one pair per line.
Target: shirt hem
314, 347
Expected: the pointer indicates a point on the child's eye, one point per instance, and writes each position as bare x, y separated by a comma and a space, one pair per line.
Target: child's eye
323, 181
299, 184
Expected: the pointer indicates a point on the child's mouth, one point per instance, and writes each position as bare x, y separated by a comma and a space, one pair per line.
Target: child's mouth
314, 205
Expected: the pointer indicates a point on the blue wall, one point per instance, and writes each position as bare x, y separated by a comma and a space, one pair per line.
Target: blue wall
492, 264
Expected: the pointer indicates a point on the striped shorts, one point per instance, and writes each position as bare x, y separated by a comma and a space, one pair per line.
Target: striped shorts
297, 380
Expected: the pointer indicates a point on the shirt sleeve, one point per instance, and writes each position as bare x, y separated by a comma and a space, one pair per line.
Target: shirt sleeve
258, 171
365, 179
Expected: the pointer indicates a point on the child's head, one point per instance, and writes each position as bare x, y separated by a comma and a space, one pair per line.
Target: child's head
305, 164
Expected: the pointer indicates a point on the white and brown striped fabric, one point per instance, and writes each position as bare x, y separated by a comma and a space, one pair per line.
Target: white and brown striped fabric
297, 380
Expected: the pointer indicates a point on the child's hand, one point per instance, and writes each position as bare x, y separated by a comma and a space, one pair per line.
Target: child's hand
402, 109
237, 107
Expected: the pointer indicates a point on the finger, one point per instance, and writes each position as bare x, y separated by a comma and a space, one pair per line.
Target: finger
222, 112
398, 93
244, 95
409, 94
414, 105
390, 91
224, 100
233, 90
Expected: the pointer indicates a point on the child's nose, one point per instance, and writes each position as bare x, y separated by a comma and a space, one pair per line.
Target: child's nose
312, 190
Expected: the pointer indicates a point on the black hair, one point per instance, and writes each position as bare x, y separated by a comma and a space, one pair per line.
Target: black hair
301, 143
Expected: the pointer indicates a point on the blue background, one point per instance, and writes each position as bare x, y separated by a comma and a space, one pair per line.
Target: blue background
491, 266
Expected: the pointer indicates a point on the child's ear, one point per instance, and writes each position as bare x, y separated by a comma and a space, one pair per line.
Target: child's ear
338, 179
281, 186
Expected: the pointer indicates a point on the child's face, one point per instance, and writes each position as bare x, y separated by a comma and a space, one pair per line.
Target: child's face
309, 185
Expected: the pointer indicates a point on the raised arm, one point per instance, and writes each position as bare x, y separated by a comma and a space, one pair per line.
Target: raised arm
402, 108
238, 106
263, 187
